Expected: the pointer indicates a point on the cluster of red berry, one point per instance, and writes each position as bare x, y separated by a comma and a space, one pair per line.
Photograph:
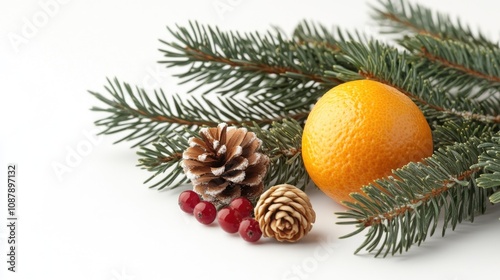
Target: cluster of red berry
236, 217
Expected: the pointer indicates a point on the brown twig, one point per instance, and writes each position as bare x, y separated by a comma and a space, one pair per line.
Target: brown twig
173, 157
252, 66
458, 67
317, 43
161, 118
409, 25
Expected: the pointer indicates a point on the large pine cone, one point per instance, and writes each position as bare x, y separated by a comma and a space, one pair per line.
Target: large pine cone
285, 213
224, 164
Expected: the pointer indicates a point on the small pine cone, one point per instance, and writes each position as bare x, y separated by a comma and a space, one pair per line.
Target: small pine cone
285, 213
224, 164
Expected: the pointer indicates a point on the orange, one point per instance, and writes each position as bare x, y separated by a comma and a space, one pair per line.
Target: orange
360, 131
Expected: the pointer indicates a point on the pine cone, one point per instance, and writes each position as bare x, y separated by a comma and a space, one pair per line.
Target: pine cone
224, 164
285, 213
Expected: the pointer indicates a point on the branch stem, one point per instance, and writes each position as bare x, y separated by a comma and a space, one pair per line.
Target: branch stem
458, 67
388, 216
409, 25
253, 66
169, 119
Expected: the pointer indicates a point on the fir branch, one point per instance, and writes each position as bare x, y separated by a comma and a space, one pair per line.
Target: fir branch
490, 162
388, 65
401, 17
283, 144
164, 158
453, 132
144, 118
473, 70
317, 36
138, 115
231, 63
405, 211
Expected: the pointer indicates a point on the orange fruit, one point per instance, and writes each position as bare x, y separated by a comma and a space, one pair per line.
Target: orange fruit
360, 131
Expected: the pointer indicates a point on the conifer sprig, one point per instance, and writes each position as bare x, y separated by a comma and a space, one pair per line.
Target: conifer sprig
249, 64
472, 72
490, 162
143, 117
316, 35
401, 17
163, 158
452, 132
283, 144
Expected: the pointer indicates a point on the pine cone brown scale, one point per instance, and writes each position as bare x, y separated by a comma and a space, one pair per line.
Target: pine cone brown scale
224, 163
285, 213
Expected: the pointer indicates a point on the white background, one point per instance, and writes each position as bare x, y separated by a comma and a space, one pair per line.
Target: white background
99, 221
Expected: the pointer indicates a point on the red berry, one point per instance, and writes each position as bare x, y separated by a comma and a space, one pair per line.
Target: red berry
205, 212
250, 230
187, 201
229, 219
243, 206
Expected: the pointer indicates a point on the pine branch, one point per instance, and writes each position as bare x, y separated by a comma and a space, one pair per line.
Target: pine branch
316, 35
490, 162
405, 211
390, 66
248, 64
453, 132
474, 71
401, 17
164, 158
144, 118
281, 143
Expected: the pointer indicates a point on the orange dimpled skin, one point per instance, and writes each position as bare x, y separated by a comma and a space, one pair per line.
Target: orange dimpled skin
360, 131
